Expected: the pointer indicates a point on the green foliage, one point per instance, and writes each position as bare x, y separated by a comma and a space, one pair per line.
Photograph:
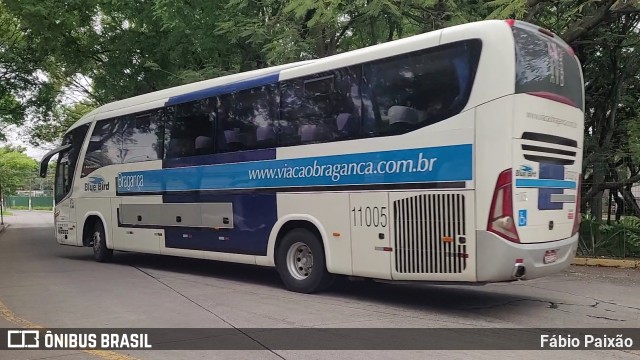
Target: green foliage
16, 168
50, 130
505, 9
633, 135
618, 239
11, 111
17, 72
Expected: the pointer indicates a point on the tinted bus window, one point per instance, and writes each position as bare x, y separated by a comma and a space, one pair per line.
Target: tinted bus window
322, 107
409, 91
246, 119
143, 137
105, 145
189, 129
545, 66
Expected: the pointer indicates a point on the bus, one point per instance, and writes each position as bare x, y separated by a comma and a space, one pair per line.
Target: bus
453, 156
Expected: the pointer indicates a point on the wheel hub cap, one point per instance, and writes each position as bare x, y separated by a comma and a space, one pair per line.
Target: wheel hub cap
300, 261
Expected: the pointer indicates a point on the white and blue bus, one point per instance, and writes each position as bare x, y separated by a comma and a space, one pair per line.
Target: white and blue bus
451, 156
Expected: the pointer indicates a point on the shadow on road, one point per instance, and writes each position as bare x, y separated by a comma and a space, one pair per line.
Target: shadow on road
419, 296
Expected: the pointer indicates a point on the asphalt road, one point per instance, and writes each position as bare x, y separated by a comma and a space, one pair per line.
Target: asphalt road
48, 285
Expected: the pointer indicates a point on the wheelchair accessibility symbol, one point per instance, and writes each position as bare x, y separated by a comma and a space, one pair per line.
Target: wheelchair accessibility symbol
522, 217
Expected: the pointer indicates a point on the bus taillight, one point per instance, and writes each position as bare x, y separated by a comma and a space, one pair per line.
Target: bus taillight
577, 219
501, 212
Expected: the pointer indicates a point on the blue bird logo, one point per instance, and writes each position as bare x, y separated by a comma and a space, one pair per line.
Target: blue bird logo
526, 168
96, 180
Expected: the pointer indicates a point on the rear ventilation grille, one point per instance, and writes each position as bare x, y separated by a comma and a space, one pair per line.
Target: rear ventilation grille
551, 149
428, 231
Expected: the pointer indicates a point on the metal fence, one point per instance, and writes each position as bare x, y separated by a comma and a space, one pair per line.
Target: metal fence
35, 193
28, 202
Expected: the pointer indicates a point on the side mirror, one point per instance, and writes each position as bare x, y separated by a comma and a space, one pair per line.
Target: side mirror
44, 163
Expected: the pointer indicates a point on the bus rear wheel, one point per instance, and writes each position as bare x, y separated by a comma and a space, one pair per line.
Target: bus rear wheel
301, 262
99, 239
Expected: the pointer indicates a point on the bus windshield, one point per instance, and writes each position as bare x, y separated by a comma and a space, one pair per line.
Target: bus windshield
67, 161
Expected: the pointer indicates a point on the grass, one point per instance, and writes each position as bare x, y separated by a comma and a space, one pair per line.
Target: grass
47, 208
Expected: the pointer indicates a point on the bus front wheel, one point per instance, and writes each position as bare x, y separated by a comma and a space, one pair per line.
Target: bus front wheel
99, 239
301, 262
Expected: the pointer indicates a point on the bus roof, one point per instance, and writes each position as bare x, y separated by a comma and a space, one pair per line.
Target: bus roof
212, 87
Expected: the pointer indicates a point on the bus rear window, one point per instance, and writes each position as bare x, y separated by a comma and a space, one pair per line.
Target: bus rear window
546, 67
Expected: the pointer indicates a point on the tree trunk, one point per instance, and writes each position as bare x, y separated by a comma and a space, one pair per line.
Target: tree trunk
630, 204
599, 169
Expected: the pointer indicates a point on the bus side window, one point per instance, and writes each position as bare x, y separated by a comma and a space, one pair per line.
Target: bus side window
321, 108
405, 92
142, 137
189, 130
289, 123
348, 103
246, 120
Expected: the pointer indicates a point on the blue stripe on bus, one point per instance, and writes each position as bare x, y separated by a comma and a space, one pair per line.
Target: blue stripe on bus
222, 158
545, 183
225, 89
435, 164
253, 218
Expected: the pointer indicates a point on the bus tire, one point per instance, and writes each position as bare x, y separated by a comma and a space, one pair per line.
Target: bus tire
301, 262
101, 252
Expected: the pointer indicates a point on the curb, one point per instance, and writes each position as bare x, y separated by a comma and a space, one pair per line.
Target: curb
618, 263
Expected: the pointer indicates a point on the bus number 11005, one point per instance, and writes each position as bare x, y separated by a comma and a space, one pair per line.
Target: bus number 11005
370, 216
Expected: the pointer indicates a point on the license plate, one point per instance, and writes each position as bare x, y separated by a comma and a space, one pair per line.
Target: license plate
550, 256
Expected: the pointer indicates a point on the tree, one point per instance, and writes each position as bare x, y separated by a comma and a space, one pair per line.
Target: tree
16, 168
23, 89
611, 159
50, 131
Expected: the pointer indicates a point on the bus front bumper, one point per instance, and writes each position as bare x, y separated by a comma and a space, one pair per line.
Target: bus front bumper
502, 260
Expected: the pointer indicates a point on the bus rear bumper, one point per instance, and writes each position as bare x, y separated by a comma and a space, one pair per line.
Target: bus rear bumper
502, 260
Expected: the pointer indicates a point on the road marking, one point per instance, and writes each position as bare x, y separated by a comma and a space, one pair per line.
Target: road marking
11, 317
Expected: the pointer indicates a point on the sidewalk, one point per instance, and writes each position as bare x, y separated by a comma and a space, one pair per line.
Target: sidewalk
604, 262
5, 225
